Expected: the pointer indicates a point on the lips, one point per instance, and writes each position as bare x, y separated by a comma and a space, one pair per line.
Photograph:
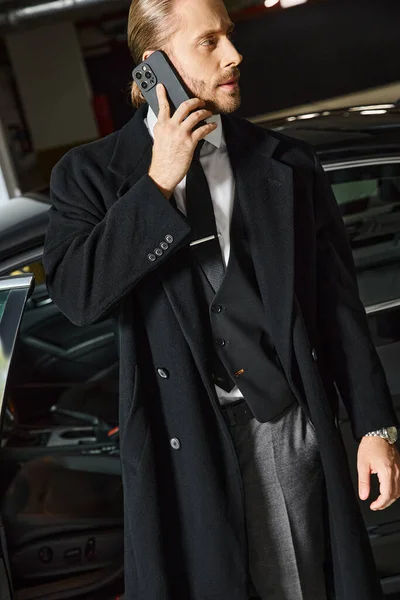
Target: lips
230, 81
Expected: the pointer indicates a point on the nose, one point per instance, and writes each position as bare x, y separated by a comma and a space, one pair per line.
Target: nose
232, 57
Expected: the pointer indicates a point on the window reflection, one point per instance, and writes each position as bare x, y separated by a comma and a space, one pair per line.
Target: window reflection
3, 300
369, 200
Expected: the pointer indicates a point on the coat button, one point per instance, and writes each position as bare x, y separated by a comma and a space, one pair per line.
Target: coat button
175, 443
164, 245
163, 373
152, 257
220, 342
158, 251
314, 354
168, 238
216, 308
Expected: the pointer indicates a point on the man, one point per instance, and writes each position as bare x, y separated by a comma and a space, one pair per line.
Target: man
231, 281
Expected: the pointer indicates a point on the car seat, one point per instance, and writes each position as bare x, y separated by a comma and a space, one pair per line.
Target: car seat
64, 516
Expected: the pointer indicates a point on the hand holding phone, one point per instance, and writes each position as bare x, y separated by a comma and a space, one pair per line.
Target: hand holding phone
175, 141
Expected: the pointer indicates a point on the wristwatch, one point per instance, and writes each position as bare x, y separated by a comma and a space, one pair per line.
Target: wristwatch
389, 433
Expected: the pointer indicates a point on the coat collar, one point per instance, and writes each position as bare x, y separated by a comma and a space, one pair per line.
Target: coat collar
133, 146
265, 192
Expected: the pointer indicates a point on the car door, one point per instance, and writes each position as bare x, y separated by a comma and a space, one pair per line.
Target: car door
368, 194
53, 355
14, 293
51, 349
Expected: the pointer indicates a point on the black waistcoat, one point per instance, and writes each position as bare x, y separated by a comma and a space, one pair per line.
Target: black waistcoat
239, 332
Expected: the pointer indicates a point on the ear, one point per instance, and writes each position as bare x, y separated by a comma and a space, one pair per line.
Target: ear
147, 54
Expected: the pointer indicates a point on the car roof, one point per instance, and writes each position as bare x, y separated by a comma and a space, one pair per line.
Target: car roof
23, 223
344, 133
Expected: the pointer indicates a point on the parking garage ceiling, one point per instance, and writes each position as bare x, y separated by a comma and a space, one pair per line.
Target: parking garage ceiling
19, 13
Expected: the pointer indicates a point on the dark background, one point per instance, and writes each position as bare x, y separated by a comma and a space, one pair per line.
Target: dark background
292, 57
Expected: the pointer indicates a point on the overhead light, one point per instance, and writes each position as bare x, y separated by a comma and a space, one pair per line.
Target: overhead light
43, 8
270, 3
372, 107
289, 3
291, 118
373, 112
308, 116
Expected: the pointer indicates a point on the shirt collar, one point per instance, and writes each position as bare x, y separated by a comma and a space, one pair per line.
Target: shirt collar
216, 137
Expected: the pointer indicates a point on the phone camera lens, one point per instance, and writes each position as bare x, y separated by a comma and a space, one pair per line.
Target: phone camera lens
144, 85
138, 76
148, 75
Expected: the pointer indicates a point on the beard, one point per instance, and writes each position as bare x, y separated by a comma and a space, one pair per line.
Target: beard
216, 99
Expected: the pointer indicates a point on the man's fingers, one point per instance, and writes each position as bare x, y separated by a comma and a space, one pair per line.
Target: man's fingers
385, 485
164, 108
363, 480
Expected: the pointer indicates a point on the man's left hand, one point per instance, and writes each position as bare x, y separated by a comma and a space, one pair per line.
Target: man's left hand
376, 455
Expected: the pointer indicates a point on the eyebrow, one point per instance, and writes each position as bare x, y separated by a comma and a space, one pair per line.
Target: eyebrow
205, 34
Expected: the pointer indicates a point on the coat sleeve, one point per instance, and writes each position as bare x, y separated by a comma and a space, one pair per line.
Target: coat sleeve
93, 257
352, 358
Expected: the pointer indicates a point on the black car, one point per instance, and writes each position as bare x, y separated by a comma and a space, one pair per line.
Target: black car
61, 489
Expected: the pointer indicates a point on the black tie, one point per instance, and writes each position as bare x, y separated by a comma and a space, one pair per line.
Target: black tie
200, 214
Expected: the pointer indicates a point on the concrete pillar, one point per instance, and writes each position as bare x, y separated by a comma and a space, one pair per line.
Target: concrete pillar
55, 92
8, 181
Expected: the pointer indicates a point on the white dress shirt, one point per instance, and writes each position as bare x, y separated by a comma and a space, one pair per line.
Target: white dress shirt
217, 168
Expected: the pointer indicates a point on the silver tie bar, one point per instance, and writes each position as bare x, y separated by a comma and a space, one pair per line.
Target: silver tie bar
206, 239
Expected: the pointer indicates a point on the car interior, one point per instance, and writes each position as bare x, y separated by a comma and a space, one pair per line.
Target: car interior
61, 489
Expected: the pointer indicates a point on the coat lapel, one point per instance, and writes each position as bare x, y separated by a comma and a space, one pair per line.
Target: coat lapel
265, 192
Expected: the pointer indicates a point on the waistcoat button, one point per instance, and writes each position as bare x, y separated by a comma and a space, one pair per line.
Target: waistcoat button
314, 354
175, 443
220, 342
216, 308
163, 373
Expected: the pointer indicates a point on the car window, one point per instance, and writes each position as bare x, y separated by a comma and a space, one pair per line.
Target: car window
369, 200
35, 268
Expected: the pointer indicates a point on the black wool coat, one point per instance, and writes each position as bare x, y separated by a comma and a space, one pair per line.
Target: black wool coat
185, 535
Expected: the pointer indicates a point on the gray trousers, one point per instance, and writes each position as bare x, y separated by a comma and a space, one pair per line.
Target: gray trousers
283, 487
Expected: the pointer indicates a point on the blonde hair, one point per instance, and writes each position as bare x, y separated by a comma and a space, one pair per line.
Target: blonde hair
150, 25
